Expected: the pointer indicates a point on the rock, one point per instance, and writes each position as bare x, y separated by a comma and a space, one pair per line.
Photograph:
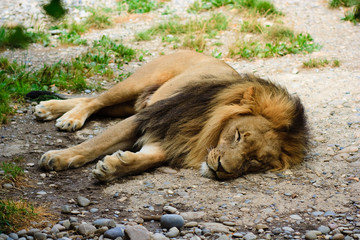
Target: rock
137, 232
22, 233
192, 215
32, 231
338, 236
104, 222
172, 220
311, 235
324, 229
317, 213
66, 209
191, 224
86, 229
173, 232
14, 236
349, 149
83, 202
288, 229
7, 185
295, 217
170, 209
250, 236
115, 232
40, 236
159, 236
66, 224
41, 193
329, 213
261, 226
216, 227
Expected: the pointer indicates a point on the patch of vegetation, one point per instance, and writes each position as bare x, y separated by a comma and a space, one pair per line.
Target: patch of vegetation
136, 6
55, 9
256, 6
19, 37
194, 32
316, 63
11, 171
352, 15
301, 43
16, 80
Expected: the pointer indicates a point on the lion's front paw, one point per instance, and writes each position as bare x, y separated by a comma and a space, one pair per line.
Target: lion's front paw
71, 121
60, 160
113, 166
45, 111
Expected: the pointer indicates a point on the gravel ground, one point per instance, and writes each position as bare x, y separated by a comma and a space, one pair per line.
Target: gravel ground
319, 199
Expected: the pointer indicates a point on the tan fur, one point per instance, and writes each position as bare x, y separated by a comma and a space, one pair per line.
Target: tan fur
265, 114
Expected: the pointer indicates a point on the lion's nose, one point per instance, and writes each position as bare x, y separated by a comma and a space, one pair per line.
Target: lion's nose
220, 167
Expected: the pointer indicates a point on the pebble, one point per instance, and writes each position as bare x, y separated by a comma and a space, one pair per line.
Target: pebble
173, 232
329, 213
250, 236
115, 233
7, 185
170, 209
193, 215
40, 236
172, 220
311, 235
338, 236
66, 209
86, 229
137, 232
83, 202
159, 236
295, 217
104, 222
324, 229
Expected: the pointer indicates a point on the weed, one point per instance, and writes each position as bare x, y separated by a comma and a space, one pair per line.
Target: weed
251, 27
98, 19
19, 37
55, 9
257, 6
136, 6
316, 63
301, 43
11, 170
352, 15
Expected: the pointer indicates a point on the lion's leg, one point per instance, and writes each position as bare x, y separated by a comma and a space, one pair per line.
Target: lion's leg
52, 109
118, 136
126, 163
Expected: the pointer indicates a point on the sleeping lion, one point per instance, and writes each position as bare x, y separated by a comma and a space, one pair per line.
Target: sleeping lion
185, 110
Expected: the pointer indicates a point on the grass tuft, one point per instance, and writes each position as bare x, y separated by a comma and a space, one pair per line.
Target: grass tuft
136, 6
316, 63
19, 37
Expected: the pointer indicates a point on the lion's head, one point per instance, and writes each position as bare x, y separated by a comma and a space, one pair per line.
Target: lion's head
246, 144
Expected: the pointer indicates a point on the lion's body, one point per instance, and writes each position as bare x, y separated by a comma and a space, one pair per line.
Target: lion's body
184, 106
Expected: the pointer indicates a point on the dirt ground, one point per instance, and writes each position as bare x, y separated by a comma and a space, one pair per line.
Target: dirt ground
328, 180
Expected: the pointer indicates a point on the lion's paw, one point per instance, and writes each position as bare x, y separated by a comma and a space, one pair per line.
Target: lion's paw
45, 111
103, 171
60, 160
70, 121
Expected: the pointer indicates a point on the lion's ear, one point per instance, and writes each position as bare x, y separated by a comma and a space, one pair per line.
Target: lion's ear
249, 93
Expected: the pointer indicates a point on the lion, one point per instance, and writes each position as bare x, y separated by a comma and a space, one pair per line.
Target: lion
185, 110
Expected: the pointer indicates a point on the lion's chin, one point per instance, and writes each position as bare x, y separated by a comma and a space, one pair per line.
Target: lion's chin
206, 171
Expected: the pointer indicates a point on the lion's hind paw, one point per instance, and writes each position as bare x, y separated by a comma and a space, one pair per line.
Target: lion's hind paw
103, 172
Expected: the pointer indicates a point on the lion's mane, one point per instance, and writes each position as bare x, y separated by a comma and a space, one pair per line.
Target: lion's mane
189, 123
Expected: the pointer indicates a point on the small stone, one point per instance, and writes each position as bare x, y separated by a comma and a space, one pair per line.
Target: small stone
191, 224
86, 229
159, 236
7, 185
40, 236
94, 210
192, 215
14, 236
137, 232
349, 150
261, 226
250, 236
83, 202
329, 214
66, 224
324, 229
216, 227
288, 229
229, 223
66, 209
22, 233
173, 232
115, 232
169, 209
332, 226
276, 231
338, 236
104, 222
295, 217
311, 235
172, 220
41, 193
32, 231
238, 235
317, 213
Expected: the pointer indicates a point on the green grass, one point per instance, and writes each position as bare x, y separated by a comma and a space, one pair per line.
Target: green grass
301, 43
11, 170
139, 6
16, 80
352, 15
19, 37
317, 63
256, 6
191, 34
